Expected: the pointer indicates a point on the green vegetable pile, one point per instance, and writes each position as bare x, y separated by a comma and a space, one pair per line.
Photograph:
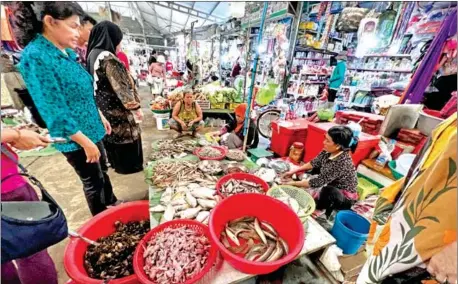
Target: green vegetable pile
225, 95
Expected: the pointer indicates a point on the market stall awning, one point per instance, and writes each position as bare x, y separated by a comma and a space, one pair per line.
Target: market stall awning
165, 18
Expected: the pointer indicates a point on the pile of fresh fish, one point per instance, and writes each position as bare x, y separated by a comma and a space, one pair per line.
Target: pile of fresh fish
176, 255
234, 186
164, 154
210, 152
187, 202
253, 239
179, 173
168, 148
236, 155
210, 167
176, 145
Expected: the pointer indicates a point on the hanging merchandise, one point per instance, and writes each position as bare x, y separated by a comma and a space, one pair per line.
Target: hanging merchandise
385, 27
422, 77
406, 13
350, 18
327, 28
266, 94
367, 38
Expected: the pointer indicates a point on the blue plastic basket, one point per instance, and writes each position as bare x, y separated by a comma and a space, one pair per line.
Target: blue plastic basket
350, 231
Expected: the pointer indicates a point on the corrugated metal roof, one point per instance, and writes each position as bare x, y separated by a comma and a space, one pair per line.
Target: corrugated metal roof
166, 18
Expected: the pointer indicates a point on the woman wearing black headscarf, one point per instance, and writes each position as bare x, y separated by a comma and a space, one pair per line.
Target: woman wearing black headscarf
116, 97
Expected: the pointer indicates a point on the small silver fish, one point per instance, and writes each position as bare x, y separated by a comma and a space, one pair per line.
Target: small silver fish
278, 252
267, 252
231, 236
284, 245
266, 226
259, 231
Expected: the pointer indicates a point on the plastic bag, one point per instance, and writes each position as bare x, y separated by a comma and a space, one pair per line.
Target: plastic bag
266, 94
279, 166
385, 153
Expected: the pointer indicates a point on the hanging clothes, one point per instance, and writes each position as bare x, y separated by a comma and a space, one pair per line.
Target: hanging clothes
422, 77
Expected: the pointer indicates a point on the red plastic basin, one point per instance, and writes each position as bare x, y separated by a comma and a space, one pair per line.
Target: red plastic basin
265, 208
241, 176
99, 226
139, 261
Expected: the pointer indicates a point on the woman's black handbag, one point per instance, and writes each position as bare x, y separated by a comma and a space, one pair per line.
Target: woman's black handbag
30, 226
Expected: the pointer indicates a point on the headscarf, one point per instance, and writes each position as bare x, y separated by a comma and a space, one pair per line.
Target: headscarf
240, 110
105, 36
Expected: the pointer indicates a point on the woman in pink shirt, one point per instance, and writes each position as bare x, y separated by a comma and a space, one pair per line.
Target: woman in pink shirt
157, 73
38, 268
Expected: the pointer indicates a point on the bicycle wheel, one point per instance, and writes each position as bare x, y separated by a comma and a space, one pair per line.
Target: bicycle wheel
265, 122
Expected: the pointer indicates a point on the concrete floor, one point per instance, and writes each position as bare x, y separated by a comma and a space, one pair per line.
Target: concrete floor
61, 181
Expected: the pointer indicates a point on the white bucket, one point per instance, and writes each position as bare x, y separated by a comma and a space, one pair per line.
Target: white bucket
162, 120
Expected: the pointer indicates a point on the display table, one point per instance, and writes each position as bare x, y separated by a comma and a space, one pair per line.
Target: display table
316, 238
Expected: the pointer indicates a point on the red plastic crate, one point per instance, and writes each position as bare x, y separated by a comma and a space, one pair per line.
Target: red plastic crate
317, 133
371, 123
285, 133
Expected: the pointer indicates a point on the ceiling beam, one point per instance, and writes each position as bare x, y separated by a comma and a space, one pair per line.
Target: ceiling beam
191, 11
140, 35
170, 21
211, 11
154, 10
186, 24
162, 18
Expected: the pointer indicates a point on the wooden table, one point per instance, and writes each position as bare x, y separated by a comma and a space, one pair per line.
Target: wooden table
316, 238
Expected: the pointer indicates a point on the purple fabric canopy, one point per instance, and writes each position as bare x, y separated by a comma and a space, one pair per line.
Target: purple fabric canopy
423, 75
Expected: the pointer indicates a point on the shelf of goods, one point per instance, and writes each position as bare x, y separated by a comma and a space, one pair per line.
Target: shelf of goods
379, 70
276, 11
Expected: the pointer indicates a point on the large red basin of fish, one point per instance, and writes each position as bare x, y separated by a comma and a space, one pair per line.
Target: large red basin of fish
267, 209
101, 225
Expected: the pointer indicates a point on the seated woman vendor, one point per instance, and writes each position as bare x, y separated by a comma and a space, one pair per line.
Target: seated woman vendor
232, 133
335, 177
187, 116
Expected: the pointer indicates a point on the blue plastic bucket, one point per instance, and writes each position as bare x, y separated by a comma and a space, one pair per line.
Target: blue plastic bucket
350, 231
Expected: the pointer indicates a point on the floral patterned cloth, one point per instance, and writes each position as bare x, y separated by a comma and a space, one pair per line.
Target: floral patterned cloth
117, 97
415, 217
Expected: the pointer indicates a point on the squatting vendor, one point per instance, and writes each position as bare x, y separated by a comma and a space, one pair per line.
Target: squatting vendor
187, 115
334, 181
